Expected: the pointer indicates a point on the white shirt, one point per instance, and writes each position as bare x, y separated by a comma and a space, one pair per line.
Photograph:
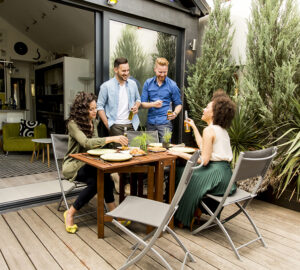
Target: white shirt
221, 146
123, 110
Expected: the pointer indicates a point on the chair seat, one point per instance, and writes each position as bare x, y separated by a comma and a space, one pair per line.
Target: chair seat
239, 195
141, 210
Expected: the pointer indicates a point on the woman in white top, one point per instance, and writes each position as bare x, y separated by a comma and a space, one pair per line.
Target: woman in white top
216, 153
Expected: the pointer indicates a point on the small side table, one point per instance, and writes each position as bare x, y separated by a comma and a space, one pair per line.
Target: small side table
42, 141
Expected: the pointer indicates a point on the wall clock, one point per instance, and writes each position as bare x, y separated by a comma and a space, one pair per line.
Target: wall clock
20, 48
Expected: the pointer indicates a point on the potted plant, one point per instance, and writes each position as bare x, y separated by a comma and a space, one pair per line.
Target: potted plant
167, 138
142, 141
288, 161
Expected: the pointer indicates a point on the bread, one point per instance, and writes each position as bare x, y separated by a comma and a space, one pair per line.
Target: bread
137, 151
157, 149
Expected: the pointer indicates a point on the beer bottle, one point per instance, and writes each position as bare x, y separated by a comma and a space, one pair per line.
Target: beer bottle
187, 127
130, 116
124, 147
169, 112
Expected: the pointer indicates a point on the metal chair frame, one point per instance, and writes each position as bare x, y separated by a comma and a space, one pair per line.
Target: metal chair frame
250, 164
60, 148
156, 214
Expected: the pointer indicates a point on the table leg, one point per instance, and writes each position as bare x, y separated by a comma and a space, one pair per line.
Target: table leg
100, 200
43, 147
150, 191
150, 183
159, 183
172, 188
48, 154
121, 188
33, 153
38, 151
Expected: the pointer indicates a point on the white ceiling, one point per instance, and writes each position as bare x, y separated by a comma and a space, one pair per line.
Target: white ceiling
53, 26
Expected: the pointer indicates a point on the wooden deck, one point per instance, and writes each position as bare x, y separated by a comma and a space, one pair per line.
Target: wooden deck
35, 238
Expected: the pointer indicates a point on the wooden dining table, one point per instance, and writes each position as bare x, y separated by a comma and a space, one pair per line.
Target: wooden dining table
156, 160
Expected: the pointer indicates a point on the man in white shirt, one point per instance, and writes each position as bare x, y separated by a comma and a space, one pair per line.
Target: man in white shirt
117, 97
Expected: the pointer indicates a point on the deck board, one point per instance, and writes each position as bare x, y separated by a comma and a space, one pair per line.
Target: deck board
3, 264
35, 238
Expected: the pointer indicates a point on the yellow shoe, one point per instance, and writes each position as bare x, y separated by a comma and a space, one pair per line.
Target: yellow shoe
70, 229
125, 222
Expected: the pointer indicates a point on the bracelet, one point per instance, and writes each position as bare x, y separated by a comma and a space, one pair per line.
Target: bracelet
175, 113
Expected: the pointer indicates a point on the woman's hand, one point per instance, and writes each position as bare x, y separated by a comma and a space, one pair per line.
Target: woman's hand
191, 123
120, 139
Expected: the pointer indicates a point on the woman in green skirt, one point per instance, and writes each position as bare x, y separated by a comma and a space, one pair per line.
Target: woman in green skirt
213, 177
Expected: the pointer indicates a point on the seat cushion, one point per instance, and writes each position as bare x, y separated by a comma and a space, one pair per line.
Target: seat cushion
18, 144
239, 195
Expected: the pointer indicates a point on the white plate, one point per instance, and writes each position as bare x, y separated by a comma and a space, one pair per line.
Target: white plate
158, 144
101, 151
116, 157
183, 149
161, 149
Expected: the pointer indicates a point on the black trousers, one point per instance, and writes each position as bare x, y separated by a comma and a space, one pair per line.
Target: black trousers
88, 175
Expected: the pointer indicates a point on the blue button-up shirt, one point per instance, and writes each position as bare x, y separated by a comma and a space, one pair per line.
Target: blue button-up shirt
108, 100
168, 92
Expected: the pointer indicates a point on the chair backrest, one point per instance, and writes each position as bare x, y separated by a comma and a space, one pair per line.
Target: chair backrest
183, 183
132, 134
60, 145
251, 164
60, 148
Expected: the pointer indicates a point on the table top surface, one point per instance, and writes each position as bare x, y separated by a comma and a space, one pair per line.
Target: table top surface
42, 140
105, 165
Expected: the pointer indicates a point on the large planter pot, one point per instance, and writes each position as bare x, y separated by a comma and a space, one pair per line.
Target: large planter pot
284, 200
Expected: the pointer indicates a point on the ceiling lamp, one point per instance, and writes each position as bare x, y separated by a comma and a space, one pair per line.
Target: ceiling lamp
112, 2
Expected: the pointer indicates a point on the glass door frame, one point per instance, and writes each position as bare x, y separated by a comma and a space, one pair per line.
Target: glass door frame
102, 49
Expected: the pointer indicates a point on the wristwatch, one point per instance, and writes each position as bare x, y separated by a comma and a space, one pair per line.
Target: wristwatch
175, 113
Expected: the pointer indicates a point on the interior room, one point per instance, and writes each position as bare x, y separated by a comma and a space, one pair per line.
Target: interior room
43, 61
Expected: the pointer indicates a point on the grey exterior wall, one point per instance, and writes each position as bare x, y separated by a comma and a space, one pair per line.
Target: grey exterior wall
164, 17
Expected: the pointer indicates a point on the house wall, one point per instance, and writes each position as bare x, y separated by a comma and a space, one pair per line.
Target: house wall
23, 63
155, 12
10, 36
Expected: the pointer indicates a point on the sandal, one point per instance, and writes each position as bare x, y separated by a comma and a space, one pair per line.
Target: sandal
196, 216
69, 229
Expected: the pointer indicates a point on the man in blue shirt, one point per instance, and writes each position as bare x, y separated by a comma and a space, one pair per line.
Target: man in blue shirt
159, 93
117, 97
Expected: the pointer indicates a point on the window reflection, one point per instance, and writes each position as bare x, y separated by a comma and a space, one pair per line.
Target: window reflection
141, 47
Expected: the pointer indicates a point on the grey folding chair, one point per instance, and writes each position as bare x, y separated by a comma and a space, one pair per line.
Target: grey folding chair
60, 148
250, 164
156, 214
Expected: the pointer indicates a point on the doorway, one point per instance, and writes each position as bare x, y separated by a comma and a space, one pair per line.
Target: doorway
18, 95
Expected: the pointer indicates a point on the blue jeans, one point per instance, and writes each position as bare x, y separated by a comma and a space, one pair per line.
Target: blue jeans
160, 128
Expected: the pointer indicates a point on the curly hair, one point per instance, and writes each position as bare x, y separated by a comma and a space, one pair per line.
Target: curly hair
79, 112
218, 93
223, 109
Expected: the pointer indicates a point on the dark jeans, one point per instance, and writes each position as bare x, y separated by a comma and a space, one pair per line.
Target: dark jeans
88, 175
160, 128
